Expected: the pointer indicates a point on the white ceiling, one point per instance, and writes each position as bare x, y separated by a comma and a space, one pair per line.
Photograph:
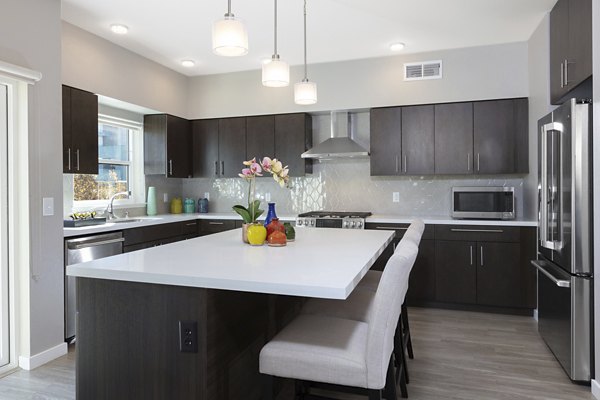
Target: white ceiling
168, 31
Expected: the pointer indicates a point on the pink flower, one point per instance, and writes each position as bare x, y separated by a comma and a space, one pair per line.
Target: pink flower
256, 169
266, 164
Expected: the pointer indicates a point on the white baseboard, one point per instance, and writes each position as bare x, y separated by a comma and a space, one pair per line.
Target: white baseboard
42, 358
596, 389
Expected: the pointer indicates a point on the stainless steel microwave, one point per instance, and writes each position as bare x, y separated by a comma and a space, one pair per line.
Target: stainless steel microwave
486, 202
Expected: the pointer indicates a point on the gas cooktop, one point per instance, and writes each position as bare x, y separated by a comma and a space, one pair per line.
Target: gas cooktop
332, 219
335, 214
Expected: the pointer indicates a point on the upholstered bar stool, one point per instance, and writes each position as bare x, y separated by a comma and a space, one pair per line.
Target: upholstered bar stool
349, 354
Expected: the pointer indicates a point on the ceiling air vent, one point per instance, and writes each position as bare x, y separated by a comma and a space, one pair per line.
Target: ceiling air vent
423, 70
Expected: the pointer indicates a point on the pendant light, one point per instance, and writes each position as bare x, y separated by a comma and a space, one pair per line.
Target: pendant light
229, 36
275, 73
305, 92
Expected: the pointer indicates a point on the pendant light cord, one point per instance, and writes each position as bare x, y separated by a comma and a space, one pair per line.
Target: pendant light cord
229, 14
305, 67
275, 30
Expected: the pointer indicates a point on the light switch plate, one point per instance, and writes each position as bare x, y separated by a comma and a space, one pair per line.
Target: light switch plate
166, 197
396, 197
268, 196
47, 206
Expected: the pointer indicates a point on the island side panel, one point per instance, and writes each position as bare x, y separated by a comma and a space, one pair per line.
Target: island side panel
128, 341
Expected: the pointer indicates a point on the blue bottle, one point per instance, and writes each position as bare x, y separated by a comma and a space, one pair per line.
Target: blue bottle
270, 213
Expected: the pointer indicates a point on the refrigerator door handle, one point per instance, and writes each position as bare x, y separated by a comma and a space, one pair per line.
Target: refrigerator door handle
559, 282
546, 191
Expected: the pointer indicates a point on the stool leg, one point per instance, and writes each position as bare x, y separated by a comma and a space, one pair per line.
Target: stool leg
406, 331
390, 382
267, 387
374, 394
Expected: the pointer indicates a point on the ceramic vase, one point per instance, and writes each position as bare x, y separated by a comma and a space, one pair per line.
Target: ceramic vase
151, 201
245, 232
270, 214
257, 234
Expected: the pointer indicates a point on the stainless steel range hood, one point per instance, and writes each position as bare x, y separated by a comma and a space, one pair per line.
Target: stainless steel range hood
340, 144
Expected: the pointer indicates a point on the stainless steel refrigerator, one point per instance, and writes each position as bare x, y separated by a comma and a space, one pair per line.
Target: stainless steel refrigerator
565, 269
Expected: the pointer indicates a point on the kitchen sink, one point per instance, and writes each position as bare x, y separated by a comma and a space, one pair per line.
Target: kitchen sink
124, 221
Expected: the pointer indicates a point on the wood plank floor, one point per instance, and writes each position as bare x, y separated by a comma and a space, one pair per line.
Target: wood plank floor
458, 355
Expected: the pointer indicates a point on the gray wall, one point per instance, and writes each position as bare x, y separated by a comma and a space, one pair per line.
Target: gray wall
95, 64
469, 74
30, 34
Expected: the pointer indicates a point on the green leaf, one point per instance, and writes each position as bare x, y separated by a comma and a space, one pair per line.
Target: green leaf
254, 210
243, 212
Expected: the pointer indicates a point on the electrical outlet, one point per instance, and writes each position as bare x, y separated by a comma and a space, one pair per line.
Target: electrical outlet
166, 197
396, 197
47, 206
267, 196
188, 336
207, 195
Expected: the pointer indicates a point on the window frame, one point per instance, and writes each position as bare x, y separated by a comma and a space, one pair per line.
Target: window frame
135, 178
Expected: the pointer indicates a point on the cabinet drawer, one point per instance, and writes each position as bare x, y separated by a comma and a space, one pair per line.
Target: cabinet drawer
208, 226
189, 227
400, 229
152, 233
480, 233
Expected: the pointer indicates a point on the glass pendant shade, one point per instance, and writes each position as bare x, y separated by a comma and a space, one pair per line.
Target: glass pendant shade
305, 93
229, 37
276, 73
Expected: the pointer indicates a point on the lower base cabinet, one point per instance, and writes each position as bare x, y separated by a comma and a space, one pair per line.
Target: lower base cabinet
157, 235
471, 267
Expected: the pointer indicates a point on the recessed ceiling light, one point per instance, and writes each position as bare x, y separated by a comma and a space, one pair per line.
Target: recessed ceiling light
188, 63
119, 29
397, 46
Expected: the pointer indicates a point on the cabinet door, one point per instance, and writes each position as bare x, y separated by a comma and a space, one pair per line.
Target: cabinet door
494, 131
66, 128
454, 138
293, 136
205, 148
421, 284
417, 140
84, 132
455, 271
386, 141
260, 137
579, 56
178, 148
559, 47
499, 278
232, 146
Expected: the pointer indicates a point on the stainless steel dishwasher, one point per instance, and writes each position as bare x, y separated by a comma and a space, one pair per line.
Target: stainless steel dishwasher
84, 249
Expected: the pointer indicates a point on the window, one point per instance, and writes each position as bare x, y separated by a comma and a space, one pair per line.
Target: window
120, 166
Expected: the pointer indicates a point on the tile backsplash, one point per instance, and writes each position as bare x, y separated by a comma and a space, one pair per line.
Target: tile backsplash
347, 185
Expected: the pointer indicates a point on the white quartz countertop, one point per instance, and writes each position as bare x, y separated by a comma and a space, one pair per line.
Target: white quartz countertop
443, 220
321, 262
155, 220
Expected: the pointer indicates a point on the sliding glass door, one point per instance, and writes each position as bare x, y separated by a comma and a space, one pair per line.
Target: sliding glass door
4, 297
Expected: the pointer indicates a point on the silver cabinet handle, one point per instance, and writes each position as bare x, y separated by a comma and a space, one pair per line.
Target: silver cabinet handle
397, 163
471, 250
477, 162
191, 224
216, 167
540, 265
562, 75
94, 244
170, 167
222, 167
477, 230
391, 228
566, 64
481, 254
404, 162
69, 157
215, 223
468, 161
77, 159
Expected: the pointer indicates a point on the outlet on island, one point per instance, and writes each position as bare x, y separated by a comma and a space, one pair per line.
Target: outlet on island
188, 336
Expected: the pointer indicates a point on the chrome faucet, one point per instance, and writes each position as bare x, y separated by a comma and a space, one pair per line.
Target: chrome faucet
109, 212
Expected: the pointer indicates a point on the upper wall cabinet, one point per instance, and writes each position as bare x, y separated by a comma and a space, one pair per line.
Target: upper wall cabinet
80, 131
167, 146
260, 136
484, 137
219, 147
570, 46
293, 136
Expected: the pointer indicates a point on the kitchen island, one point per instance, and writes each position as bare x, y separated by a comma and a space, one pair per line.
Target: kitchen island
188, 319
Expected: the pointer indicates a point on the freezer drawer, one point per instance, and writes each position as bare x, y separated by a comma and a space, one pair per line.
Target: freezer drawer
564, 318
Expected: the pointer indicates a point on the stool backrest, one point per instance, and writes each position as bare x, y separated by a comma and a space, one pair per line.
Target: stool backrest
414, 231
386, 311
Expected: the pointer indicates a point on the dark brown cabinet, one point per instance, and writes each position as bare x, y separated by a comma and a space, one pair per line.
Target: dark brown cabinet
454, 138
209, 226
456, 272
80, 131
386, 141
418, 131
219, 147
260, 137
570, 47
500, 136
167, 149
158, 235
293, 136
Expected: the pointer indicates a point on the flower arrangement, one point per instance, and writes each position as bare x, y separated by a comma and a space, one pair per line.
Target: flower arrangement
252, 170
